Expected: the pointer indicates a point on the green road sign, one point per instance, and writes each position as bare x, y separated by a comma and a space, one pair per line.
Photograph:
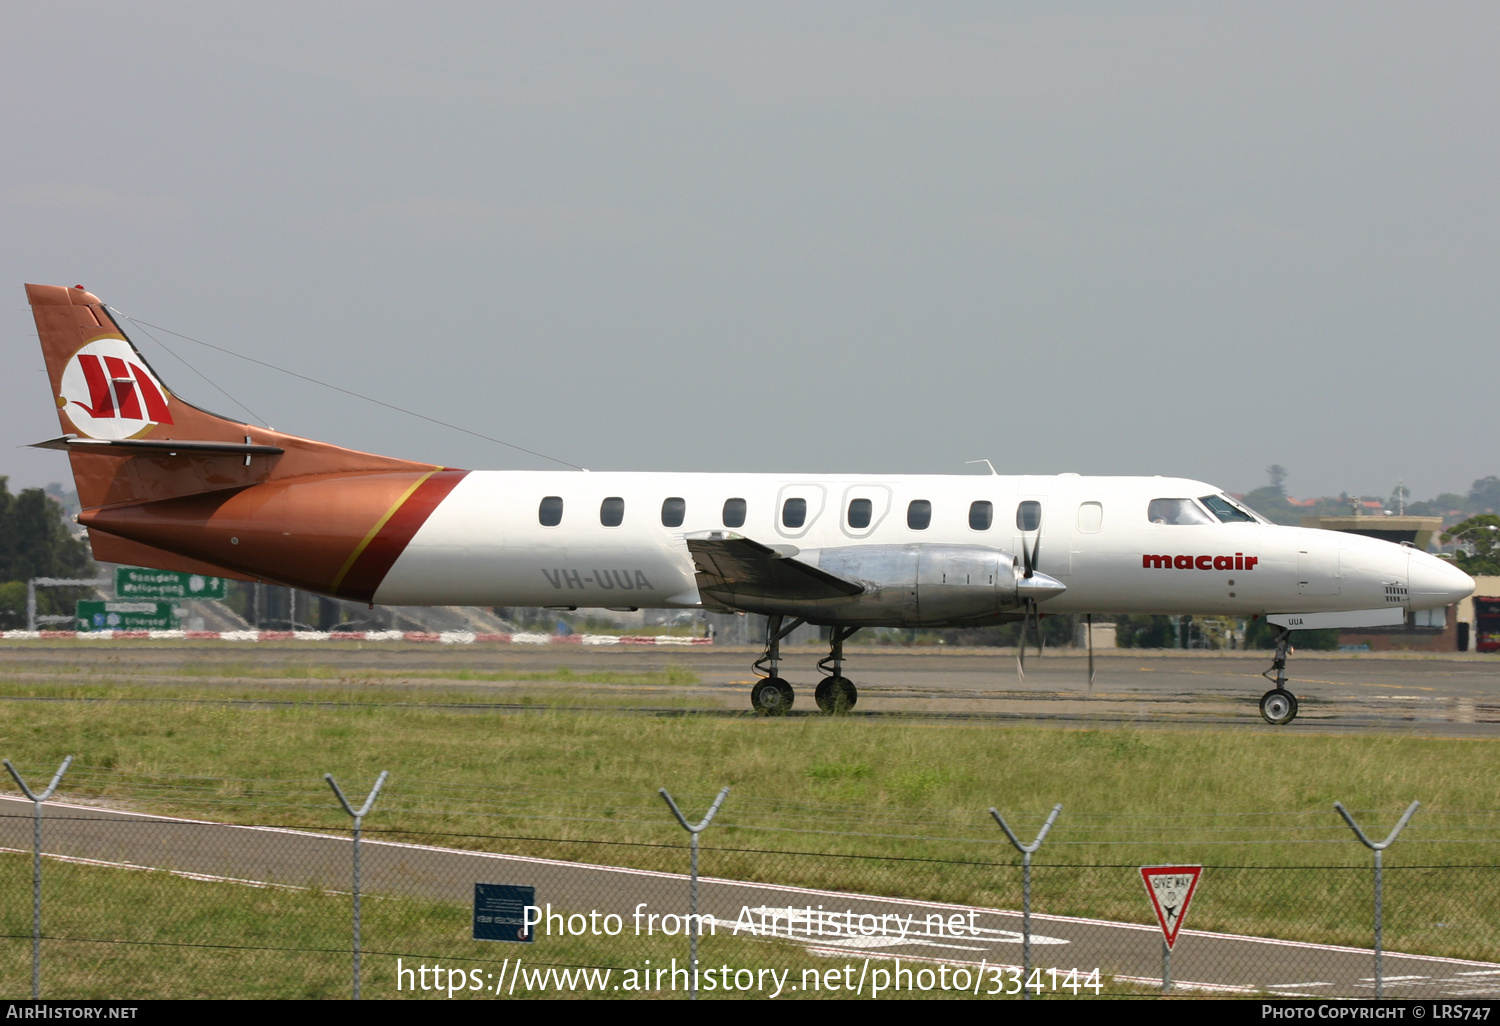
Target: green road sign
126, 616
133, 582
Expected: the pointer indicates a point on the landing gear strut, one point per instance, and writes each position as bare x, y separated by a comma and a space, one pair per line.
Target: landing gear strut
1279, 706
836, 693
772, 695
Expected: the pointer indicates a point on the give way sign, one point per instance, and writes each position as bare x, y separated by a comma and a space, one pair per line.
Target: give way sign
1170, 889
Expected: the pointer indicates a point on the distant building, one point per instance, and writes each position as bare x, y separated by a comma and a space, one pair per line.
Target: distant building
1479, 616
1415, 531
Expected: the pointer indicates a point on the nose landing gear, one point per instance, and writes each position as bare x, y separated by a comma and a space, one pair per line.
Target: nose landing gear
1279, 706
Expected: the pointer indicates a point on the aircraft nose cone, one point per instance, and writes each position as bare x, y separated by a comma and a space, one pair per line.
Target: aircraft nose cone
1039, 587
1436, 582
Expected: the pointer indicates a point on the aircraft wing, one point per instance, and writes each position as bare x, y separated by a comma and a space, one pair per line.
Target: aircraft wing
730, 566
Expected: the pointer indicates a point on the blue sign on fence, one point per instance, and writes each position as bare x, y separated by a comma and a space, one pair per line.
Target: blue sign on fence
499, 912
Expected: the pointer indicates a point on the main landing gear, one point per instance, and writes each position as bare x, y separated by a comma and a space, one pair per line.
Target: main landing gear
773, 696
836, 693
1279, 706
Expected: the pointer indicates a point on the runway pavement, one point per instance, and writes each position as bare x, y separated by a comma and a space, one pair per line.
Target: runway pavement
1448, 696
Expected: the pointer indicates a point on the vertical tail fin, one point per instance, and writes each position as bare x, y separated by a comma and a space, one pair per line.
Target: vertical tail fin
131, 439
166, 484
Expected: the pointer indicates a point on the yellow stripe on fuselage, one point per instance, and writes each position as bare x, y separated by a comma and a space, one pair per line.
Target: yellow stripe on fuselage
360, 548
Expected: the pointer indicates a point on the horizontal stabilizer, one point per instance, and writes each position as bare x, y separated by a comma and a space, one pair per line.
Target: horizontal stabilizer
146, 446
731, 567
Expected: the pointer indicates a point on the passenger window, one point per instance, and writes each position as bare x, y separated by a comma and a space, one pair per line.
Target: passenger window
919, 514
550, 511
981, 515
1090, 518
860, 511
734, 512
672, 512
1176, 511
612, 511
1029, 515
793, 512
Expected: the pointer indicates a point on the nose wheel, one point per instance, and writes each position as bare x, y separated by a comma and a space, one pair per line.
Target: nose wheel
1278, 706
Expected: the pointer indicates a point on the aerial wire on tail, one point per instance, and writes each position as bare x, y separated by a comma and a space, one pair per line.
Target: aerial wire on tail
214, 384
143, 325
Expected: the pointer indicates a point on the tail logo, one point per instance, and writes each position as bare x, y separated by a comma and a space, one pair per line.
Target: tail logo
107, 392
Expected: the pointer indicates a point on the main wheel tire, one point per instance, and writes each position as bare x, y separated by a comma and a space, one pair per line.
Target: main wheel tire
772, 696
836, 694
1278, 706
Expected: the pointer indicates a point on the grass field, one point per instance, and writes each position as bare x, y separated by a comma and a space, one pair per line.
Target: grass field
841, 801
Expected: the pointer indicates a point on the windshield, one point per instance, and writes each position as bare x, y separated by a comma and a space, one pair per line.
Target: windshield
1176, 511
1227, 510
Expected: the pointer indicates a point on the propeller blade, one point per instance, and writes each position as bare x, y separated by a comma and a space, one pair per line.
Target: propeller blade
1021, 647
1090, 633
1036, 548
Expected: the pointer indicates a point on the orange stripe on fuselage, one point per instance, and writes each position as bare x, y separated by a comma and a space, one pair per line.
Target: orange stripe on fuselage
374, 556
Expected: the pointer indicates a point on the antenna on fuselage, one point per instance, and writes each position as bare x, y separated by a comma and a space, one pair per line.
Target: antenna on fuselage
987, 463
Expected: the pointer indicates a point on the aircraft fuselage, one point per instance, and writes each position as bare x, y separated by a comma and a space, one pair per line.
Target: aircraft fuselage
485, 543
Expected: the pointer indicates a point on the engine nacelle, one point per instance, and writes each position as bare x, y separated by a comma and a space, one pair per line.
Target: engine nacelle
925, 585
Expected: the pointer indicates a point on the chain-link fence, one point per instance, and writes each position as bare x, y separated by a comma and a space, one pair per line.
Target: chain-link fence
138, 904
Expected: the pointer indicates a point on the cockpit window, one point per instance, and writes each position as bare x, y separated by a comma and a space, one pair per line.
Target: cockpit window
1226, 510
1176, 511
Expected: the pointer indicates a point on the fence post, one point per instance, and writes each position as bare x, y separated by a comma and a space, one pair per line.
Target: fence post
1377, 848
358, 819
1026, 850
693, 832
36, 868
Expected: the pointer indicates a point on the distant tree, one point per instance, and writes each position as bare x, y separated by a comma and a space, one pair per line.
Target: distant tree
1145, 632
1484, 496
1270, 500
1272, 505
67, 498
35, 542
1260, 634
1479, 541
1278, 478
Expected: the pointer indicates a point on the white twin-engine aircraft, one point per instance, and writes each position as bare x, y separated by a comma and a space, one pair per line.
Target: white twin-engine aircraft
166, 484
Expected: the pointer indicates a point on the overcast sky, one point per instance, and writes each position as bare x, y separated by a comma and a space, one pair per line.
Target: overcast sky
1181, 238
